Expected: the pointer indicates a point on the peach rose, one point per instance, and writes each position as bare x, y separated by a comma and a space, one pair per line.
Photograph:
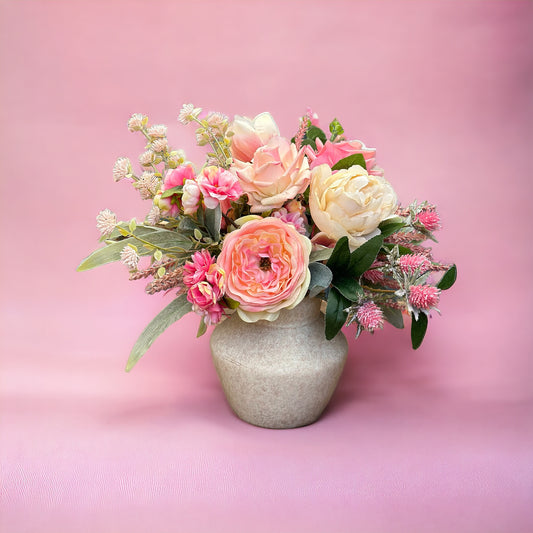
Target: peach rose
266, 263
278, 173
350, 202
249, 135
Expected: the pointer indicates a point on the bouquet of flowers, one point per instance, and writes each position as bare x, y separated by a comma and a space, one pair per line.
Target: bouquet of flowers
269, 220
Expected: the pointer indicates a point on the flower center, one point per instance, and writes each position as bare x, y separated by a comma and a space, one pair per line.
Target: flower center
264, 263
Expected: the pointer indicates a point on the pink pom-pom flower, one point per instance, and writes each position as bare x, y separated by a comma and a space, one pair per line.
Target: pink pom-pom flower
369, 316
424, 296
410, 263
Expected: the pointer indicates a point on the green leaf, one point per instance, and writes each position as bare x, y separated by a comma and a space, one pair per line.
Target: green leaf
156, 238
314, 132
158, 255
213, 220
340, 257
171, 192
448, 279
320, 255
321, 277
418, 329
362, 258
350, 161
390, 228
335, 313
170, 314
132, 225
349, 287
161, 271
393, 316
202, 328
335, 129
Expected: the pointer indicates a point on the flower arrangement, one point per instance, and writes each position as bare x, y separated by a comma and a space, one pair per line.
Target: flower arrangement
269, 220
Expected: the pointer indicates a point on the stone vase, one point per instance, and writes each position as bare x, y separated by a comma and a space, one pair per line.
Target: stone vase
279, 374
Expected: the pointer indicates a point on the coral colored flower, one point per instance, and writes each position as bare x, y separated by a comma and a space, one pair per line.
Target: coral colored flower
266, 263
196, 271
369, 316
429, 219
423, 296
278, 173
350, 202
410, 263
249, 135
191, 197
217, 185
331, 153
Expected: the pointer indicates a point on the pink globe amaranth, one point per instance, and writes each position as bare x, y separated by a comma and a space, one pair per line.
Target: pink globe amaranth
331, 153
250, 134
277, 173
218, 185
266, 263
410, 263
424, 296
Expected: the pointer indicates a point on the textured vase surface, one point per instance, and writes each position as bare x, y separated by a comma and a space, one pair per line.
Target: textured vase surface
279, 374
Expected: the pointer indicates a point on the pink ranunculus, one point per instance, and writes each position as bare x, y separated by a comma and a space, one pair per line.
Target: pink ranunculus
266, 263
278, 173
196, 270
331, 153
249, 135
217, 185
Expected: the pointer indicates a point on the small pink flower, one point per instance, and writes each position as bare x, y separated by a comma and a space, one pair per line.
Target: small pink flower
174, 178
202, 295
196, 271
191, 197
410, 263
313, 117
374, 276
217, 185
423, 296
369, 316
216, 277
251, 134
429, 219
296, 219
212, 314
331, 153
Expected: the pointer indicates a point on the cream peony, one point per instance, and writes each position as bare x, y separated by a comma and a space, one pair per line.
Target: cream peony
350, 203
278, 173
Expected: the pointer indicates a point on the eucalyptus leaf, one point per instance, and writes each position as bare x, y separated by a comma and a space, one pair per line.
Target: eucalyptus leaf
320, 255
418, 329
321, 277
335, 313
213, 220
393, 316
362, 258
170, 314
202, 328
350, 161
448, 279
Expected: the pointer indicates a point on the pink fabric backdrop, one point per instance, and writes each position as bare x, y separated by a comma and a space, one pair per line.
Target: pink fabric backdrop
434, 440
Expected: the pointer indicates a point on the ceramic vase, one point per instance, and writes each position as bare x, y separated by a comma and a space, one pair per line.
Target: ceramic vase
279, 374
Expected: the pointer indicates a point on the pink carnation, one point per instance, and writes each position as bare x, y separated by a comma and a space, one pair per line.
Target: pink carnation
429, 219
217, 185
197, 270
212, 314
424, 296
174, 178
369, 316
331, 153
202, 295
410, 263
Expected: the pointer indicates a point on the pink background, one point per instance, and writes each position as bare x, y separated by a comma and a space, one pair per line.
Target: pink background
434, 440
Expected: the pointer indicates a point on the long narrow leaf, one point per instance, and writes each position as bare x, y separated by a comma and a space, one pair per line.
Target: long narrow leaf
170, 314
